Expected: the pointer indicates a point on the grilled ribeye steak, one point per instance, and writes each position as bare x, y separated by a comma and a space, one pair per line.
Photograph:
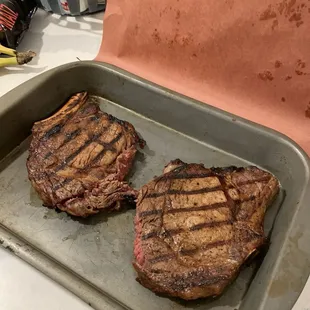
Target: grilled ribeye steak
195, 227
79, 157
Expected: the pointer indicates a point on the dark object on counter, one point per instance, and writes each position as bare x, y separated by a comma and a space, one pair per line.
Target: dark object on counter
79, 157
72, 7
195, 227
15, 17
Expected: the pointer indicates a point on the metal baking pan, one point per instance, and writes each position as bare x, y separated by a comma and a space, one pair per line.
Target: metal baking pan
92, 257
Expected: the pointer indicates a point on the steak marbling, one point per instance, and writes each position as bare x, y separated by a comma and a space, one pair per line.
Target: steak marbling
79, 157
195, 227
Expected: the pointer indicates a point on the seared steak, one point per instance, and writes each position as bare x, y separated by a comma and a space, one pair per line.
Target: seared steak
79, 157
195, 227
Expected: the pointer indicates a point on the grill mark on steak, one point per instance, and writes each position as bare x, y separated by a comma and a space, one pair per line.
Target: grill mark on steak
258, 180
126, 125
232, 205
198, 279
205, 247
54, 130
185, 176
186, 252
61, 184
87, 143
182, 192
47, 155
150, 212
176, 231
213, 206
184, 210
216, 244
173, 232
210, 225
207, 189
74, 134
149, 235
106, 147
161, 258
77, 152
69, 136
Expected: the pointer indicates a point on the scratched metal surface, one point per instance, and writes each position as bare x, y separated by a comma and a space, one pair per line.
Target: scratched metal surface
99, 249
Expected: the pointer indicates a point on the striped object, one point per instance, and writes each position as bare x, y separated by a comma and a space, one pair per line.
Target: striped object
73, 7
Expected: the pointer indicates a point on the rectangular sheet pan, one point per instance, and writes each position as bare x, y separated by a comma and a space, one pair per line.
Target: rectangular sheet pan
92, 257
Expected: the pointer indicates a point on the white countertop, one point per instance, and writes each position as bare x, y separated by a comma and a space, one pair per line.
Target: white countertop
57, 40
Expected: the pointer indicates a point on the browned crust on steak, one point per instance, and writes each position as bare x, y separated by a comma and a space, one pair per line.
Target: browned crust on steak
195, 227
79, 157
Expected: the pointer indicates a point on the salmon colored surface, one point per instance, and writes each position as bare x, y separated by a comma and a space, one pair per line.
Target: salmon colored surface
250, 58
